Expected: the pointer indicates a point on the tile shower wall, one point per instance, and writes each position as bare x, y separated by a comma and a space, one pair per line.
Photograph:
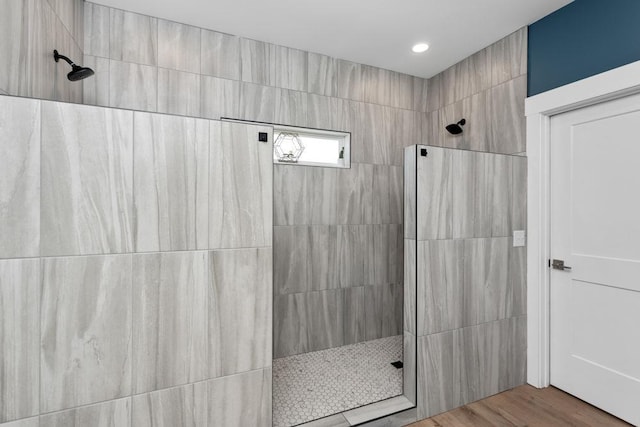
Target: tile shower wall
338, 260
29, 32
135, 268
338, 235
471, 323
385, 111
488, 89
471, 295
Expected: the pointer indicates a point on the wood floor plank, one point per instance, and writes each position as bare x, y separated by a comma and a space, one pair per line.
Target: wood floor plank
525, 406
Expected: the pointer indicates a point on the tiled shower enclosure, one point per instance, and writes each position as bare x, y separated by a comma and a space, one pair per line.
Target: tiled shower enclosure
136, 271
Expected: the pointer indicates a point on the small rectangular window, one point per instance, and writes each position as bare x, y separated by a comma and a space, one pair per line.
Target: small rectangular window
311, 147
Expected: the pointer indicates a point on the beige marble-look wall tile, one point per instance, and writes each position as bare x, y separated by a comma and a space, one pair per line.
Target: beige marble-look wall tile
435, 185
518, 281
257, 62
508, 123
432, 131
519, 188
437, 365
290, 325
509, 57
322, 190
386, 87
407, 131
481, 195
178, 93
219, 98
354, 255
85, 330
96, 30
396, 194
291, 107
257, 103
178, 46
449, 83
410, 171
176, 407
133, 86
240, 186
325, 319
487, 293
322, 75
171, 178
62, 89
170, 316
409, 370
477, 129
20, 341
71, 14
344, 119
291, 255
402, 91
292, 204
373, 134
332, 113
440, 285
383, 316
25, 422
321, 111
20, 177
393, 317
350, 84
376, 85
107, 414
388, 251
410, 286
322, 273
240, 310
291, 68
354, 325
220, 55
87, 167
241, 400
420, 94
95, 91
133, 37
434, 92
355, 189
466, 78
23, 23
477, 350
383, 210
513, 352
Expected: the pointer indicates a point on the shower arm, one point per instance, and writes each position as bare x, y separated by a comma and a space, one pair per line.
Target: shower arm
58, 57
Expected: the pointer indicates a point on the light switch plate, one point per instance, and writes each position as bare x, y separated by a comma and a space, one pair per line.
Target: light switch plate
519, 238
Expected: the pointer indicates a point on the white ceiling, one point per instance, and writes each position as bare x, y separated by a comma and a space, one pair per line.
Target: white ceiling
373, 32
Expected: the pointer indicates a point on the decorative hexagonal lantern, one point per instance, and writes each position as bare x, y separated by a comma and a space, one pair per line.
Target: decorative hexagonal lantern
288, 147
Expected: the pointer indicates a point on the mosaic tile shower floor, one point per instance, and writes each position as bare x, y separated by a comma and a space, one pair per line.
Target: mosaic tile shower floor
321, 383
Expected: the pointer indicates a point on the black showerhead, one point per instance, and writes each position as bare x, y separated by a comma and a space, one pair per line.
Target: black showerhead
77, 72
456, 129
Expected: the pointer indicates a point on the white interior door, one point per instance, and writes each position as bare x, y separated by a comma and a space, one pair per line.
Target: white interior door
595, 229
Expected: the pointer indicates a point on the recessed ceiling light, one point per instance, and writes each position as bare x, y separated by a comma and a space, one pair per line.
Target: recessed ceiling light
420, 47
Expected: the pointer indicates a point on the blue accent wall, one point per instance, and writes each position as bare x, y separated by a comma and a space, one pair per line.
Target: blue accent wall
584, 38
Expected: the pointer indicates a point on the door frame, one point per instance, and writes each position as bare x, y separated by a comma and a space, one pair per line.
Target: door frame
617, 83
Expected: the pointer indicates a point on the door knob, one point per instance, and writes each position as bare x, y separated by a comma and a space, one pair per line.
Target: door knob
558, 264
